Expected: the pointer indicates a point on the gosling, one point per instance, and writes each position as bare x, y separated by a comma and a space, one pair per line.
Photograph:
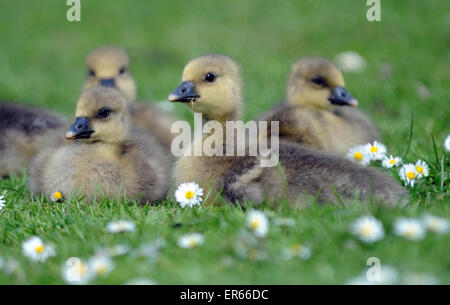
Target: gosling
320, 113
106, 155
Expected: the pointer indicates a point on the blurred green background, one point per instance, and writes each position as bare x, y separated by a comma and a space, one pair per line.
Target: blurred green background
42, 63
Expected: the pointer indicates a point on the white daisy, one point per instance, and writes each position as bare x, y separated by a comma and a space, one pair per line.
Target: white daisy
435, 224
2, 202
297, 250
120, 226
77, 272
101, 265
368, 229
409, 228
350, 61
447, 143
35, 249
189, 194
359, 154
391, 161
408, 174
258, 223
422, 169
190, 240
57, 197
376, 150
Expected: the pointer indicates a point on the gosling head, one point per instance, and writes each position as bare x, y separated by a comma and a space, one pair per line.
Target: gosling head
317, 82
109, 66
101, 116
211, 84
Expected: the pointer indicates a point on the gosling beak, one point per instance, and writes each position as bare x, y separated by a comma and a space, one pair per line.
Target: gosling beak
184, 93
341, 96
79, 130
108, 82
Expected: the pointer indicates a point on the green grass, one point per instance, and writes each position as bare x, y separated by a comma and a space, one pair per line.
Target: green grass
41, 62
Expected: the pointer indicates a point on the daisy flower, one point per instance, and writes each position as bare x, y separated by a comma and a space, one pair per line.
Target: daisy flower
258, 223
350, 61
391, 161
56, 196
101, 265
120, 226
35, 249
447, 143
190, 240
409, 228
189, 194
408, 173
77, 272
376, 150
422, 169
297, 250
435, 224
368, 229
359, 154
2, 202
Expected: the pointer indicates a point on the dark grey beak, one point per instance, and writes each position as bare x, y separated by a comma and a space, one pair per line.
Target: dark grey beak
80, 129
108, 82
342, 97
184, 93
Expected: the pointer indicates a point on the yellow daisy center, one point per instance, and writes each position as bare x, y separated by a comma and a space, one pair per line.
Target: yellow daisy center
366, 230
57, 195
419, 169
39, 248
392, 161
254, 224
102, 269
410, 232
358, 156
189, 195
297, 249
192, 242
82, 269
411, 175
374, 149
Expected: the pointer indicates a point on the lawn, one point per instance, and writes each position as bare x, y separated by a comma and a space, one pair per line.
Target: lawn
42, 64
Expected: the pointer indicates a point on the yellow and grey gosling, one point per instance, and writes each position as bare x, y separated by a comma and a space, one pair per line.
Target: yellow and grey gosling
315, 113
106, 155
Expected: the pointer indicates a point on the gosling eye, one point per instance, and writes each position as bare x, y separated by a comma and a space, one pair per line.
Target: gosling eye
103, 113
320, 81
210, 77
91, 73
122, 70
